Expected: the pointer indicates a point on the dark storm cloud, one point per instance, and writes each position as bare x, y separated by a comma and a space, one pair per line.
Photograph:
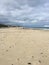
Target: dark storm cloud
24, 11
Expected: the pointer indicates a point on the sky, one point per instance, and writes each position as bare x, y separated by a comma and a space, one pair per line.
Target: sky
24, 12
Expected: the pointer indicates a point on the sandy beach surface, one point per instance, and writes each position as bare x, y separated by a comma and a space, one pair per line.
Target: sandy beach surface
24, 46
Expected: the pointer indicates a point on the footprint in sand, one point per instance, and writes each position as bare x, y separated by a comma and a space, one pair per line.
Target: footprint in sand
29, 63
6, 50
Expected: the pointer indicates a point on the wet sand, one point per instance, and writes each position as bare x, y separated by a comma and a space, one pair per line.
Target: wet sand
24, 46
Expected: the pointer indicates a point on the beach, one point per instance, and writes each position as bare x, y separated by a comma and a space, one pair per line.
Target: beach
20, 46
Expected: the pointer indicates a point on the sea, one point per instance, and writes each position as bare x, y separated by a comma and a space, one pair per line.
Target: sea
41, 28
37, 28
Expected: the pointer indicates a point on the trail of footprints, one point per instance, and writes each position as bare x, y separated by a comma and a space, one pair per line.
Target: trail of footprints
28, 63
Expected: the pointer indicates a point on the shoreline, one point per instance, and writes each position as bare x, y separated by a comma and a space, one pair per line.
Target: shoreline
42, 29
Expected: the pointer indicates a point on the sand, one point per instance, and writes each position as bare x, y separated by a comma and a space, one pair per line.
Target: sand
24, 46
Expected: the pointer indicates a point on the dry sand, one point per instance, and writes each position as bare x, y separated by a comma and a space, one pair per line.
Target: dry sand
24, 47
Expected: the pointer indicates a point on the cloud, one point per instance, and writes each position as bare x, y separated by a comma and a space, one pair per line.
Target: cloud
46, 25
24, 11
